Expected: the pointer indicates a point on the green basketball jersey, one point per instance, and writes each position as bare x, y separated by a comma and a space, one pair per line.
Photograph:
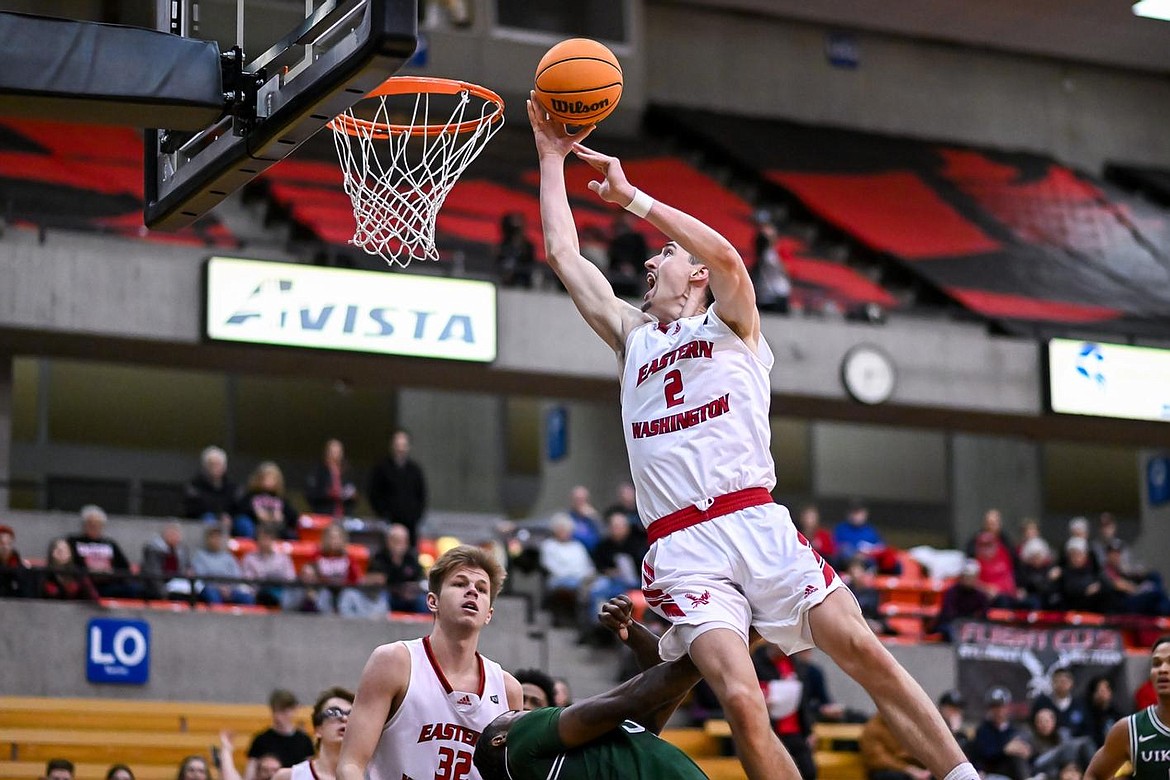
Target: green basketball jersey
535, 752
1149, 745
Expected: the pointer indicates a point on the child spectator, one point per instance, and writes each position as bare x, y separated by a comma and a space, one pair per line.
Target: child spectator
214, 560
101, 556
329, 488
268, 563
211, 494
62, 580
335, 568
264, 504
15, 580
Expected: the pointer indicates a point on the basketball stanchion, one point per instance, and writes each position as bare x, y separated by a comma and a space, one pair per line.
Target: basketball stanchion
400, 164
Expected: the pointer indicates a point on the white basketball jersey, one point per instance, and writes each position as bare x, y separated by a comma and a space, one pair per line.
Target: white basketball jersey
695, 414
434, 731
303, 771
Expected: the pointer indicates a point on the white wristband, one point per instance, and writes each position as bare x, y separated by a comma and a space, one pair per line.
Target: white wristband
640, 205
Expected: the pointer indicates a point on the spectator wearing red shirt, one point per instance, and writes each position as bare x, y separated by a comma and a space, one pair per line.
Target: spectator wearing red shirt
789, 709
992, 524
334, 566
14, 574
1145, 696
997, 574
809, 524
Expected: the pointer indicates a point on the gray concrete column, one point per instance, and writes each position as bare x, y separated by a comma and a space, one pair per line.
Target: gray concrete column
596, 457
993, 471
5, 428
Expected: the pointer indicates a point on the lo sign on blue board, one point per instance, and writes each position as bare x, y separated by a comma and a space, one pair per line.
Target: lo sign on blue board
118, 651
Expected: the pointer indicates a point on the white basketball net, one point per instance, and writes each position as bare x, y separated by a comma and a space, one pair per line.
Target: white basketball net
398, 180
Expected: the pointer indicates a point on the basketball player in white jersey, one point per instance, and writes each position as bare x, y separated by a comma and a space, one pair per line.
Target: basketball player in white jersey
330, 717
422, 704
695, 393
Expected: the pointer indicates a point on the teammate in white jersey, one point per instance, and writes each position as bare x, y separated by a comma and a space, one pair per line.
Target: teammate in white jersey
422, 704
330, 717
695, 394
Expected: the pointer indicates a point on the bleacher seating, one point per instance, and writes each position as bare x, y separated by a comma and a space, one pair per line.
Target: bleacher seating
836, 753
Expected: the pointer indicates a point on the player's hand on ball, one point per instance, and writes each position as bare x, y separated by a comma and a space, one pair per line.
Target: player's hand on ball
552, 137
617, 614
615, 187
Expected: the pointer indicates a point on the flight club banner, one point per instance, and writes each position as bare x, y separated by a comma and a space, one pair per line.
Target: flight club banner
1023, 658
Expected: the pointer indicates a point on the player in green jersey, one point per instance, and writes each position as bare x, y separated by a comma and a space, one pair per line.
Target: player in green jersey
1143, 739
606, 737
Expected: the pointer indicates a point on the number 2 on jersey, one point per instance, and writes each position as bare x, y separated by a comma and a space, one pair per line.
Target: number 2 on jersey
453, 764
672, 388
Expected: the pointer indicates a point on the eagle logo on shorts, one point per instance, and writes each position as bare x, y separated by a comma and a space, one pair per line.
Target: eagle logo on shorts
700, 600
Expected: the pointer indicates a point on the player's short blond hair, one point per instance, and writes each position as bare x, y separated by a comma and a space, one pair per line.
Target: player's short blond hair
466, 555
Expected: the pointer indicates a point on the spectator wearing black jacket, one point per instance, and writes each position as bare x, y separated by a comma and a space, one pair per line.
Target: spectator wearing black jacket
15, 581
999, 747
211, 494
101, 556
398, 488
265, 504
1078, 582
1100, 711
329, 488
1070, 710
964, 599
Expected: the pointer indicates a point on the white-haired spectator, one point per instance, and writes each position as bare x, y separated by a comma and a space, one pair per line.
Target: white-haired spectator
964, 599
1078, 529
1078, 582
211, 494
1033, 575
567, 564
101, 556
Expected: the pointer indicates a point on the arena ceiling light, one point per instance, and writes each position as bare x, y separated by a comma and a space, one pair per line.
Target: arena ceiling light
1153, 9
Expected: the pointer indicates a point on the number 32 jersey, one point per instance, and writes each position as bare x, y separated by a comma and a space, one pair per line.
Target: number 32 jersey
433, 733
695, 402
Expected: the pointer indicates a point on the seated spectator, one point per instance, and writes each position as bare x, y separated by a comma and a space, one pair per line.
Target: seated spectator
854, 536
211, 494
396, 569
821, 703
950, 707
992, 524
62, 580
1078, 528
626, 501
269, 565
1029, 530
515, 256
567, 565
809, 523
306, 598
539, 689
282, 739
860, 581
166, 561
1078, 584
1128, 593
119, 772
1051, 749
101, 556
59, 769
1100, 711
883, 755
997, 575
585, 518
329, 488
267, 766
264, 504
999, 747
335, 568
1107, 535
964, 599
15, 579
1070, 711
214, 560
789, 709
1032, 577
618, 561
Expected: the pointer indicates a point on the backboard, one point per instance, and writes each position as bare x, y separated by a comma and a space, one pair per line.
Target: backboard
289, 67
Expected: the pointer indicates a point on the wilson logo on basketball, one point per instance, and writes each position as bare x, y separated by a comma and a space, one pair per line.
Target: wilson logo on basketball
578, 106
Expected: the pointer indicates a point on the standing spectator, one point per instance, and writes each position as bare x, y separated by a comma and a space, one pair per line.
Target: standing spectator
964, 599
1100, 711
15, 579
626, 501
809, 524
854, 536
627, 253
1078, 585
62, 579
335, 568
398, 488
1070, 713
396, 568
999, 747
214, 560
884, 757
264, 505
1032, 577
59, 769
100, 555
515, 256
997, 574
329, 488
789, 708
567, 565
770, 277
282, 738
266, 563
165, 562
211, 494
585, 518
1128, 593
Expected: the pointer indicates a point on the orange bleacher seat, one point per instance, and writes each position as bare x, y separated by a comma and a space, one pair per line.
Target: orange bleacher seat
300, 551
310, 527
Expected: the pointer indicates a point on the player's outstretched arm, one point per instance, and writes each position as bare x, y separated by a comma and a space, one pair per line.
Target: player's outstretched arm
384, 679
729, 277
632, 700
609, 316
1112, 755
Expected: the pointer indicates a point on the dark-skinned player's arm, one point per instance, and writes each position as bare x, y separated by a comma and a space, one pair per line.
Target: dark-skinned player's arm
383, 682
609, 316
728, 276
1112, 755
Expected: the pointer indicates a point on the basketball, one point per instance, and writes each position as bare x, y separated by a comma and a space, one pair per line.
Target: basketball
579, 81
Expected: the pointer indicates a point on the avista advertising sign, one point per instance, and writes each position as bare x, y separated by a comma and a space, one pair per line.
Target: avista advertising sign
258, 302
